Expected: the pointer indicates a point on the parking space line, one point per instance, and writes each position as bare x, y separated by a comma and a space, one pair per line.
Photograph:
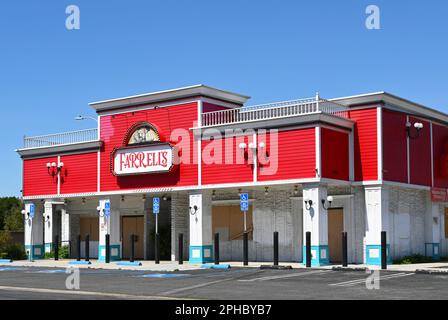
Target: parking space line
360, 281
85, 293
285, 276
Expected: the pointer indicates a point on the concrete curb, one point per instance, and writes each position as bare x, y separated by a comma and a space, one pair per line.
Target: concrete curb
354, 269
272, 267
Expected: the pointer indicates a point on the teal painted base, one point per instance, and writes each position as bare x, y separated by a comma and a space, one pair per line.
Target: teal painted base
320, 256
432, 250
373, 255
115, 252
201, 254
36, 251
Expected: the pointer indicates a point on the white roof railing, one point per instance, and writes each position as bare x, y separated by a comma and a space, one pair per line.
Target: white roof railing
274, 110
60, 138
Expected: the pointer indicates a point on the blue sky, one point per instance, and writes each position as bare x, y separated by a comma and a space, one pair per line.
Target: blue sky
270, 50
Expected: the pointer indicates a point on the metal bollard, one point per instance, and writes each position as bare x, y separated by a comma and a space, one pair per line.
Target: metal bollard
216, 243
308, 256
131, 259
157, 248
344, 250
181, 248
383, 250
87, 247
56, 247
275, 248
78, 251
246, 248
107, 248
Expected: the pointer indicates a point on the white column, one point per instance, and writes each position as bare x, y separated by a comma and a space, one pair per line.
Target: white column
65, 227
200, 210
48, 226
109, 224
432, 230
377, 220
315, 220
33, 231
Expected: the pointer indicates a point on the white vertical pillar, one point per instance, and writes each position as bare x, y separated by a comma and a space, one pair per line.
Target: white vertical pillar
377, 220
315, 220
432, 230
109, 215
48, 226
65, 227
200, 210
33, 231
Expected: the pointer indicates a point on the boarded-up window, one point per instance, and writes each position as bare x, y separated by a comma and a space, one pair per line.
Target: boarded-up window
89, 226
228, 221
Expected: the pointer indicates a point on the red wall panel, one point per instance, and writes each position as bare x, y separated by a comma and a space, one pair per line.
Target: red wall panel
79, 174
394, 147
167, 119
335, 154
365, 144
295, 156
210, 107
36, 180
420, 154
440, 149
215, 168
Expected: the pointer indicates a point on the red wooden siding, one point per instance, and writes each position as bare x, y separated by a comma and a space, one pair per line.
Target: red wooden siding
420, 154
36, 180
365, 144
296, 156
394, 147
440, 147
220, 172
167, 119
210, 107
80, 173
335, 154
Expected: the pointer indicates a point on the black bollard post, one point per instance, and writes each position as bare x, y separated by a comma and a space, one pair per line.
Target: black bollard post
344, 250
56, 247
308, 256
246, 248
78, 258
107, 248
383, 250
216, 248
157, 247
87, 247
275, 248
131, 259
181, 248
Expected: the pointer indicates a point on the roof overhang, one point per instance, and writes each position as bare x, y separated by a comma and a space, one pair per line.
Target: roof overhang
394, 102
170, 95
63, 149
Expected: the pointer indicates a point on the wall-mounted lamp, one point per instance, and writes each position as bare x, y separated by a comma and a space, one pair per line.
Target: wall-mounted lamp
122, 199
296, 190
239, 192
165, 197
330, 200
46, 218
266, 191
144, 197
51, 168
194, 211
418, 127
83, 200
26, 215
100, 211
308, 203
60, 166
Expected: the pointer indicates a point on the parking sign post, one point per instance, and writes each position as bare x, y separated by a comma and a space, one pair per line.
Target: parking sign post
244, 205
156, 211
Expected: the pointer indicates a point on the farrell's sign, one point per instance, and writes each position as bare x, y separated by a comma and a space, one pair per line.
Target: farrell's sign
142, 159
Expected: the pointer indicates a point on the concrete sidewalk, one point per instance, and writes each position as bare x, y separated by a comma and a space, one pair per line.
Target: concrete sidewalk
170, 266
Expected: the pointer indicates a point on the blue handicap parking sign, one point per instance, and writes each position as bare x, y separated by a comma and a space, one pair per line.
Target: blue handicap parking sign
31, 210
107, 208
156, 205
244, 202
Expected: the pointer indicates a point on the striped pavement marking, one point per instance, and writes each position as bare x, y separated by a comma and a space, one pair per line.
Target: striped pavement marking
361, 281
285, 276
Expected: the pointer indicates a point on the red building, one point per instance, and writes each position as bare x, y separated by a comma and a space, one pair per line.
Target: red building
362, 164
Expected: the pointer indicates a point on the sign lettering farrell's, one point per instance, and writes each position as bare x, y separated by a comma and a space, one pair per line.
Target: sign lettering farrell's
143, 159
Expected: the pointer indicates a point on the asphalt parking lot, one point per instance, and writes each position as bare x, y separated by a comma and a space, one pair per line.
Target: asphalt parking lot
237, 283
